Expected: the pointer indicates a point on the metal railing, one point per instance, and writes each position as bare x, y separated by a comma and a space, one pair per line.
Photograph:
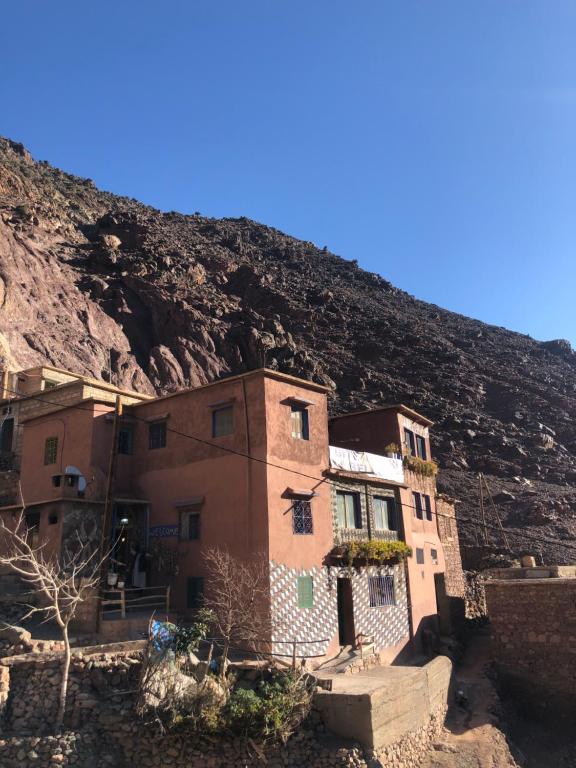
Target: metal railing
134, 600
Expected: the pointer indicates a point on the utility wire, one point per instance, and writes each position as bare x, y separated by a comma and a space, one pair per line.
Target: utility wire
320, 481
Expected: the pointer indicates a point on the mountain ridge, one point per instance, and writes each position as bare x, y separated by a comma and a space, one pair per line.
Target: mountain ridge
153, 300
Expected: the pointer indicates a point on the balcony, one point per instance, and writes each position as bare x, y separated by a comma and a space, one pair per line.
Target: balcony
8, 461
369, 464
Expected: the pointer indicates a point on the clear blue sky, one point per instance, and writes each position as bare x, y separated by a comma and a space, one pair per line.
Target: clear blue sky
434, 141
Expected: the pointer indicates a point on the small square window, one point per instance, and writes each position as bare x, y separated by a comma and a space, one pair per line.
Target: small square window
434, 556
419, 556
305, 592
381, 591
302, 517
52, 519
195, 592
190, 525
299, 421
50, 450
157, 435
126, 440
223, 421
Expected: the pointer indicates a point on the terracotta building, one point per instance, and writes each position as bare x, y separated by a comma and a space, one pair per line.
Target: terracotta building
243, 464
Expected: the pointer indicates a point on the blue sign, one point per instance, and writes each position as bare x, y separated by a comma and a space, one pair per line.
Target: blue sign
163, 531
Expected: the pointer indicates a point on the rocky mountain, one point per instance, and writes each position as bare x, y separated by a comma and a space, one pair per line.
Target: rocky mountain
155, 301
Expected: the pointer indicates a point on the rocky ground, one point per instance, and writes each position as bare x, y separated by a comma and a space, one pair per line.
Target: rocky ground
156, 301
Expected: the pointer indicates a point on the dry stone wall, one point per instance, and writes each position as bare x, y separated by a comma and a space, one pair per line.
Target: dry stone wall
102, 729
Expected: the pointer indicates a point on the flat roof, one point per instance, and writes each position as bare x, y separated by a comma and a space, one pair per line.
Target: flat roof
71, 406
414, 415
79, 379
364, 477
304, 383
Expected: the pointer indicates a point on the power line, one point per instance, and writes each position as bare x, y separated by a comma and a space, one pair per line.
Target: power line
320, 481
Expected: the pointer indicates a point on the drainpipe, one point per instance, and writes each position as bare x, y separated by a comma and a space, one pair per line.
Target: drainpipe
249, 528
408, 601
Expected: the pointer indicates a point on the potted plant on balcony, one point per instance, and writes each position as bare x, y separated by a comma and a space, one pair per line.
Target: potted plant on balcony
392, 451
372, 552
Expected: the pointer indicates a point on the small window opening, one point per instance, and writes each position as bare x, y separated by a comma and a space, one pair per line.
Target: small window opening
299, 422
302, 517
223, 421
157, 435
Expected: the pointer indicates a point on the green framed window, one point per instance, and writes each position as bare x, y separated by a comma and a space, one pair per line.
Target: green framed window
50, 450
305, 592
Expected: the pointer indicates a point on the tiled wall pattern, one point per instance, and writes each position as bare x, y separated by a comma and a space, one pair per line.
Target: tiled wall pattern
315, 627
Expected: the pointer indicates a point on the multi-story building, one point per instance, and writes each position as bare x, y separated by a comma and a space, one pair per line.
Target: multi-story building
242, 464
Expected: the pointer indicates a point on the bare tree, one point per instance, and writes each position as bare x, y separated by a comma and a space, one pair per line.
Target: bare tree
238, 596
59, 583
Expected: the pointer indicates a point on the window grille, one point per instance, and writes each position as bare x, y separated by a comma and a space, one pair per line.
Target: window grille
50, 450
302, 517
381, 591
419, 556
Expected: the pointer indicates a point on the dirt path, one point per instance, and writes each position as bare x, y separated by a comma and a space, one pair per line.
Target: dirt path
472, 737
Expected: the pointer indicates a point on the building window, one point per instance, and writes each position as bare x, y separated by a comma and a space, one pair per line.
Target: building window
195, 592
381, 591
302, 517
6, 435
305, 592
421, 447
71, 481
223, 421
384, 513
189, 525
419, 556
50, 450
418, 505
56, 480
348, 509
434, 556
427, 506
126, 440
157, 435
52, 519
50, 384
410, 441
299, 422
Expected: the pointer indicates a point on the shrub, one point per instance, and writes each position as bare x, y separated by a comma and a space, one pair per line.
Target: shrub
375, 550
420, 466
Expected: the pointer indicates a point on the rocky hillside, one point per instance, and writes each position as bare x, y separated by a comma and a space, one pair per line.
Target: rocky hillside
157, 301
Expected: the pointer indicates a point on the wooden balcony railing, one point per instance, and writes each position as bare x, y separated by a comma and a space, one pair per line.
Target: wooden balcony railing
120, 603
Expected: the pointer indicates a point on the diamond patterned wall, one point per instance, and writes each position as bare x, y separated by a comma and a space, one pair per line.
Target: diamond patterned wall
315, 627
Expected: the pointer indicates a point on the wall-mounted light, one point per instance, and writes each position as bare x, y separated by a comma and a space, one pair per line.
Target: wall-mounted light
124, 521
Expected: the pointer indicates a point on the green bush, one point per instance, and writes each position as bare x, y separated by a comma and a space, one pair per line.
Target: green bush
420, 466
374, 550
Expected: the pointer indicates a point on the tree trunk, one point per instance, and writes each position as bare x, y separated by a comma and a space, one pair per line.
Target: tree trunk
64, 681
224, 658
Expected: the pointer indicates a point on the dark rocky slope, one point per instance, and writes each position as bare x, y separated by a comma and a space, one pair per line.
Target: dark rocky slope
107, 286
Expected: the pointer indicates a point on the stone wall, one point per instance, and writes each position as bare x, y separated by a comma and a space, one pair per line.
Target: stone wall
533, 625
448, 533
103, 731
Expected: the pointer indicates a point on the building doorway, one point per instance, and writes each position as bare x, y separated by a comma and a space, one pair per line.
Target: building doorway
346, 632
